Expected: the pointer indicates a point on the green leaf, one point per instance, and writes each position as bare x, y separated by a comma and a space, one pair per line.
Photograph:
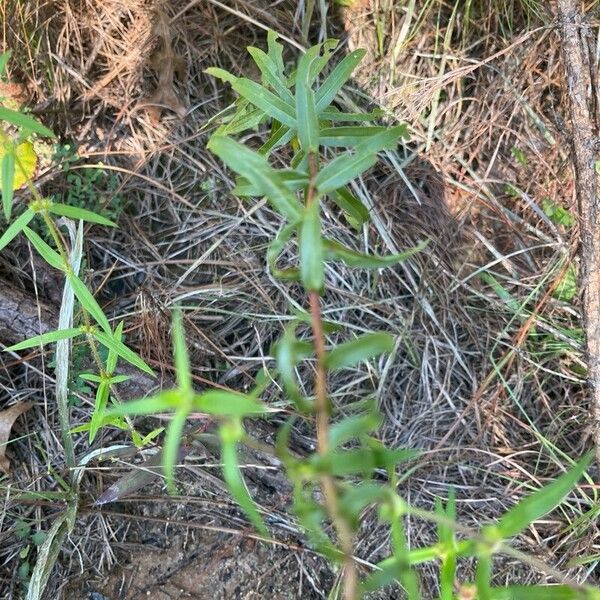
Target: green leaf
337, 78
353, 427
46, 338
270, 74
362, 348
541, 502
311, 249
292, 179
279, 137
335, 115
567, 288
96, 422
347, 137
356, 212
336, 251
171, 447
221, 74
16, 227
256, 169
544, 592
88, 302
288, 352
342, 170
24, 122
123, 351
74, 212
46, 252
164, 402
180, 352
275, 248
4, 58
231, 434
306, 112
222, 403
483, 575
113, 357
557, 213
275, 52
268, 102
8, 178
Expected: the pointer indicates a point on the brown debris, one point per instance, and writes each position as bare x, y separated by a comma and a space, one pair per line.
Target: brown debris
166, 65
7, 420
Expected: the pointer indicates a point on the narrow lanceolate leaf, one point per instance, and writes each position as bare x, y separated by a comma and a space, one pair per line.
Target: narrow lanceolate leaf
347, 137
74, 212
164, 402
97, 420
221, 74
113, 357
311, 249
230, 434
541, 502
336, 251
483, 575
108, 341
544, 592
337, 78
346, 167
270, 74
16, 227
88, 302
306, 112
171, 447
52, 257
293, 180
46, 338
24, 122
275, 52
4, 58
268, 102
362, 348
335, 115
356, 212
182, 361
342, 170
8, 178
281, 135
256, 169
221, 403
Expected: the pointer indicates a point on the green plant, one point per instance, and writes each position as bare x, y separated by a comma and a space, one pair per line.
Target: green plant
350, 470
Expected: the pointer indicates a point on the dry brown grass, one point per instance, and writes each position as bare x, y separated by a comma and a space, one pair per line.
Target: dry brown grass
491, 393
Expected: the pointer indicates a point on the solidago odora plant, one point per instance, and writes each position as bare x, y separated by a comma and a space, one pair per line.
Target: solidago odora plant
334, 485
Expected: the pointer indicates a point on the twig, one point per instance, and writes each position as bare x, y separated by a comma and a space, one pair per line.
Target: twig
579, 67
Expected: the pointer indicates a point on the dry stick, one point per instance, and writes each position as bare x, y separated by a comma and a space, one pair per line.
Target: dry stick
342, 527
579, 66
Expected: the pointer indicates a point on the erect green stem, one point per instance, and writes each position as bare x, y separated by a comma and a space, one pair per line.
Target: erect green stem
342, 527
